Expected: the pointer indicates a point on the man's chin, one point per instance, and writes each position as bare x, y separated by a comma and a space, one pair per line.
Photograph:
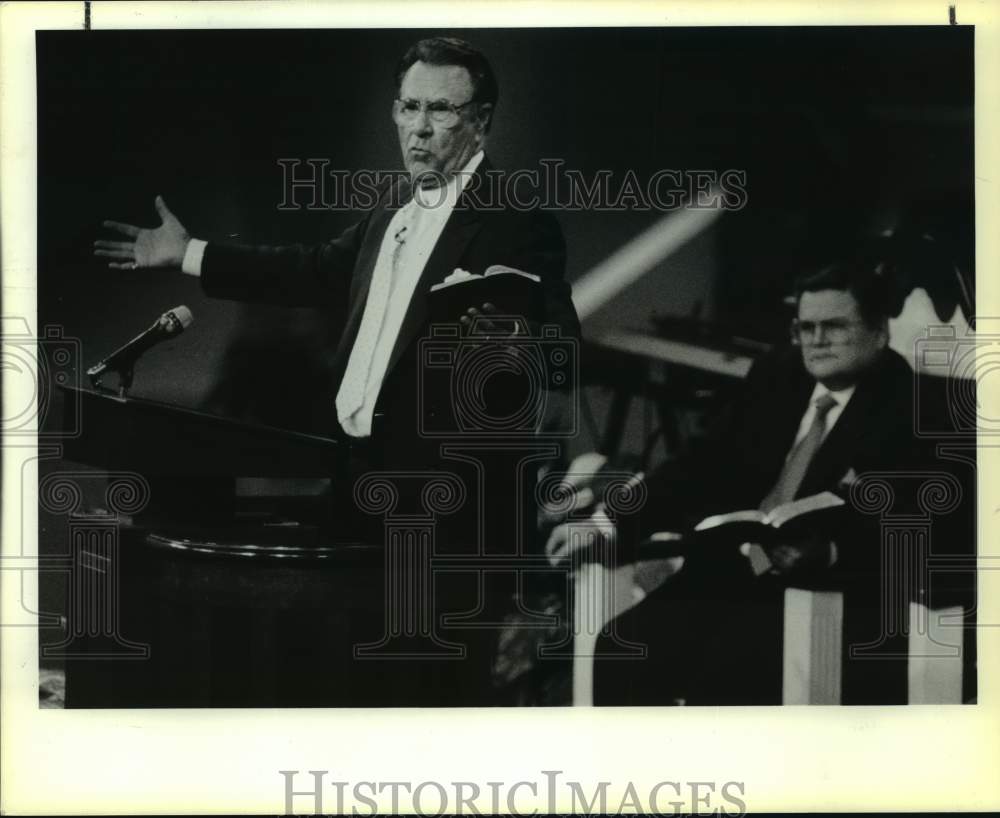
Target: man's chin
424, 173
822, 369
832, 375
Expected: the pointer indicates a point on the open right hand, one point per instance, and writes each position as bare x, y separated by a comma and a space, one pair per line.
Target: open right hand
161, 246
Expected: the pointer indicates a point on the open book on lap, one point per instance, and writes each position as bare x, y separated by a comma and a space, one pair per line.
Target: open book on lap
789, 520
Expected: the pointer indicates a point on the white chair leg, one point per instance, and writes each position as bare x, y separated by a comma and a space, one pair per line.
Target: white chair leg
600, 595
934, 670
813, 640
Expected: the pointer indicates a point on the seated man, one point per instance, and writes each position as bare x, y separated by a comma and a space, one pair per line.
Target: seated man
810, 418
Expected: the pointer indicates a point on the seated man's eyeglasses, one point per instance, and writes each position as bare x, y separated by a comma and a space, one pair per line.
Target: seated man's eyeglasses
836, 330
440, 111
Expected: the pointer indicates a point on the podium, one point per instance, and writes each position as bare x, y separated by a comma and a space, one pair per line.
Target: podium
184, 594
189, 458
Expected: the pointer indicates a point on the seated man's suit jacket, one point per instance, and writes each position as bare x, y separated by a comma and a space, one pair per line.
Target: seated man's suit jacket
743, 455
337, 275
713, 631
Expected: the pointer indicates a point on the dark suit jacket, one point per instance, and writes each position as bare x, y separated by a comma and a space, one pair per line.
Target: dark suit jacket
338, 273
741, 459
714, 632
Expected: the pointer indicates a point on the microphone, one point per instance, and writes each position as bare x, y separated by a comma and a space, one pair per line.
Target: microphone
169, 325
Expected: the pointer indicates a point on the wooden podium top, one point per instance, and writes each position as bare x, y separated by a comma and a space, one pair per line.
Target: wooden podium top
156, 438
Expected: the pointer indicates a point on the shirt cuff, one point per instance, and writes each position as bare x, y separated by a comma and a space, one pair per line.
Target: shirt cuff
193, 255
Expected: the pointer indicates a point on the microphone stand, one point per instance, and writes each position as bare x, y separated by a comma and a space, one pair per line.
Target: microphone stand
126, 374
122, 360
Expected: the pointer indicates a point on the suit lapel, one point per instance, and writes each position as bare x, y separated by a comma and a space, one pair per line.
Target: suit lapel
778, 419
365, 268
841, 446
463, 223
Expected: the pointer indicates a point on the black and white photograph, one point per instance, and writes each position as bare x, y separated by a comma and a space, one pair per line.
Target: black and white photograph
449, 371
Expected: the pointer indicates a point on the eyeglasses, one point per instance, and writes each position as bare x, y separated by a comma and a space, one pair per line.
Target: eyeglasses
439, 111
836, 330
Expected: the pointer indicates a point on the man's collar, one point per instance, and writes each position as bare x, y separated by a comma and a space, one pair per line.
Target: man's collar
842, 396
473, 163
455, 185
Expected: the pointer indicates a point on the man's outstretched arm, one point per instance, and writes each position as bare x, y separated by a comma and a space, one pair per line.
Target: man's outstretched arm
154, 247
293, 274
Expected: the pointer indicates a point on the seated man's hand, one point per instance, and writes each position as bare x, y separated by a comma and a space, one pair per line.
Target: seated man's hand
596, 532
801, 557
162, 246
549, 516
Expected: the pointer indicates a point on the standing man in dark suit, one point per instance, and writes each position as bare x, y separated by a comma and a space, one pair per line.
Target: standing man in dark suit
446, 216
810, 418
375, 277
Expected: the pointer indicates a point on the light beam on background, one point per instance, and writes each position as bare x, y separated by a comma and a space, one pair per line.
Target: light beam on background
633, 260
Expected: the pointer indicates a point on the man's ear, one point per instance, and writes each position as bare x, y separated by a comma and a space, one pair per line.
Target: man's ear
883, 331
484, 115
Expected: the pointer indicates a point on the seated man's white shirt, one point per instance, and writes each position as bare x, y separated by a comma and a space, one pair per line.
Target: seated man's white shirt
841, 396
759, 561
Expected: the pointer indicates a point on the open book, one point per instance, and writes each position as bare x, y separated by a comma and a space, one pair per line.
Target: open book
817, 511
512, 292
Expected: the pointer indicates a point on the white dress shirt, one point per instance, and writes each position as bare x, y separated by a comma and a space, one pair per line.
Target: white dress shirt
841, 396
416, 227
759, 561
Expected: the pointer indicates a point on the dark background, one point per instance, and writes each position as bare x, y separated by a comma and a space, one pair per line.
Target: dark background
840, 131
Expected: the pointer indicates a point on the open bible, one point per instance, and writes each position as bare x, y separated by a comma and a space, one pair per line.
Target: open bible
789, 520
512, 292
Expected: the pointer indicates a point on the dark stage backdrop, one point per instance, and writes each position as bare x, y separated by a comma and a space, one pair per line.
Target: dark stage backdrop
837, 129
